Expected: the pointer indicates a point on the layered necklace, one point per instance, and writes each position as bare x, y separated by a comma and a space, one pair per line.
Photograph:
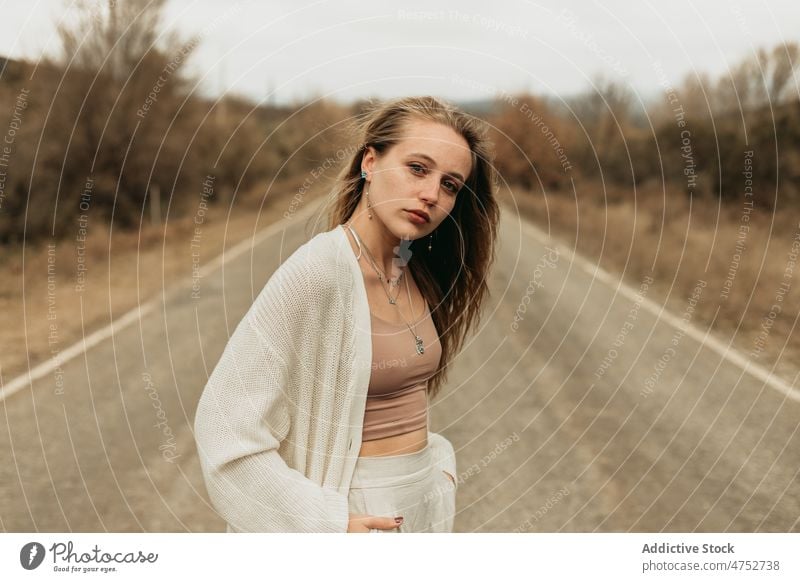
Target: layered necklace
392, 283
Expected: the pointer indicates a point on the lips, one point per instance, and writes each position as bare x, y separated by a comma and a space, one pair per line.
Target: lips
421, 214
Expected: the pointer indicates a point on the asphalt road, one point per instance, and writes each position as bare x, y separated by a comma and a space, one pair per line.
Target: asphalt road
556, 426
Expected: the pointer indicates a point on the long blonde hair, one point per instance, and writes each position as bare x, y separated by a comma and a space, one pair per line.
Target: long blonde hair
452, 277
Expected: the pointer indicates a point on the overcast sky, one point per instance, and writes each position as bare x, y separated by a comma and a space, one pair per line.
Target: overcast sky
459, 50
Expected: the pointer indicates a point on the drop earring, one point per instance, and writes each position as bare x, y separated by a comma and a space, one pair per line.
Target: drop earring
430, 242
369, 206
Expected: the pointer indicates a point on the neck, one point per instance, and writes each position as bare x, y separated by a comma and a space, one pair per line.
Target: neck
380, 242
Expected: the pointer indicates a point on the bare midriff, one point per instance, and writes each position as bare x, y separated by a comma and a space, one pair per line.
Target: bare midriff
400, 444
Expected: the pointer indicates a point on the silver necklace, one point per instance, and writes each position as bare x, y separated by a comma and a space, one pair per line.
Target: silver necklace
381, 276
419, 344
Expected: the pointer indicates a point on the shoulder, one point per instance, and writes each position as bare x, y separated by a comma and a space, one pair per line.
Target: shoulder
304, 297
317, 269
320, 257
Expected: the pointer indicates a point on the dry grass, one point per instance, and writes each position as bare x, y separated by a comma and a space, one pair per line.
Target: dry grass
659, 234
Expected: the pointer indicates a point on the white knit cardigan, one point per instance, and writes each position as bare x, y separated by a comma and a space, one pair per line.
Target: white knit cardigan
279, 424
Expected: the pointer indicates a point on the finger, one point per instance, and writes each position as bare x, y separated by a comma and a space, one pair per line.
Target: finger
385, 522
359, 523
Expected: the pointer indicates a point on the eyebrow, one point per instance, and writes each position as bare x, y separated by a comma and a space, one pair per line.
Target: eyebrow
433, 162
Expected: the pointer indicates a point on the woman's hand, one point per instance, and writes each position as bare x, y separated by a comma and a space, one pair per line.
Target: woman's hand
360, 523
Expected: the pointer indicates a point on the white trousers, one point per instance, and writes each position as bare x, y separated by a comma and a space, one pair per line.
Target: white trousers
413, 485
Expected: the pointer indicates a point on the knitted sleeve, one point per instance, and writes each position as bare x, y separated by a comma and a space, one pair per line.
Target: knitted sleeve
241, 420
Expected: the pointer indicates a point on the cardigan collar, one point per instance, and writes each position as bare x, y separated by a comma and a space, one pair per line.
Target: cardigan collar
362, 323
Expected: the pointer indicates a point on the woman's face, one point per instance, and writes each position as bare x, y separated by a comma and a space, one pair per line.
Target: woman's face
423, 171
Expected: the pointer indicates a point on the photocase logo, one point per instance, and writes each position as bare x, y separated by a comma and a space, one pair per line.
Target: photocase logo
31, 555
403, 251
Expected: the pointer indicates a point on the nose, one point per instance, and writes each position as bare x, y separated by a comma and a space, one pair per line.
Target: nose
430, 190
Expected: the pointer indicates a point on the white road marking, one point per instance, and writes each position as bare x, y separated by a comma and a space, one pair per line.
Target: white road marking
132, 316
731, 354
727, 352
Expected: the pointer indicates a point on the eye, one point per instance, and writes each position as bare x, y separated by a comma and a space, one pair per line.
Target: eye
451, 186
418, 169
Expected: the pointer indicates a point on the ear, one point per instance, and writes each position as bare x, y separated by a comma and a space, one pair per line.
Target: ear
368, 161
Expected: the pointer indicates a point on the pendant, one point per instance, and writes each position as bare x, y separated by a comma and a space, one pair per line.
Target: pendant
420, 347
392, 301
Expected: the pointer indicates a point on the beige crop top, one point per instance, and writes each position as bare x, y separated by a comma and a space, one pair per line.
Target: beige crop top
397, 401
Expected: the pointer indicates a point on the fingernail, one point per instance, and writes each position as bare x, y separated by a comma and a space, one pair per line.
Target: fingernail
398, 520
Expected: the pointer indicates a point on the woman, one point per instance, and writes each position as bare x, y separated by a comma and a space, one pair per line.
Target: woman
316, 417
